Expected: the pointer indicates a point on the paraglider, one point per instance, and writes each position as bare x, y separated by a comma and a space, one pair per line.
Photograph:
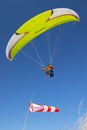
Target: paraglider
36, 26
42, 108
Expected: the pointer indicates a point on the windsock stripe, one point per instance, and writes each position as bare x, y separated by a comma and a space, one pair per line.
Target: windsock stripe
57, 109
49, 109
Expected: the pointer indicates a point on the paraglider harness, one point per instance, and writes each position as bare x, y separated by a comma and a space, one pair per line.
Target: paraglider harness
49, 70
49, 73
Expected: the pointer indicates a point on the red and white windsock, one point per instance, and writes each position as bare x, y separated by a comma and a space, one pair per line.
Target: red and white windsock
42, 108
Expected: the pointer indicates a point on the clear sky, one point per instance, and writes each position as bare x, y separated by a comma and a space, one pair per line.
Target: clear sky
22, 78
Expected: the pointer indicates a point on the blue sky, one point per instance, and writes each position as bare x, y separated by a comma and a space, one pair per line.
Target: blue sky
22, 78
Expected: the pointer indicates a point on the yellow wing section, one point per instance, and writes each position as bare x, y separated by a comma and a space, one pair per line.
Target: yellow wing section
38, 25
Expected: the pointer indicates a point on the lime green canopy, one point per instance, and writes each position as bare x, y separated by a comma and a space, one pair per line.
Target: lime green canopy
36, 26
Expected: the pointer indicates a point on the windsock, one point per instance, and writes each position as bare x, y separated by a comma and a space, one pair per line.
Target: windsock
42, 108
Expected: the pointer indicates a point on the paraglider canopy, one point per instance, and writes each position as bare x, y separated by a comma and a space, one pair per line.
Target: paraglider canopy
38, 25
